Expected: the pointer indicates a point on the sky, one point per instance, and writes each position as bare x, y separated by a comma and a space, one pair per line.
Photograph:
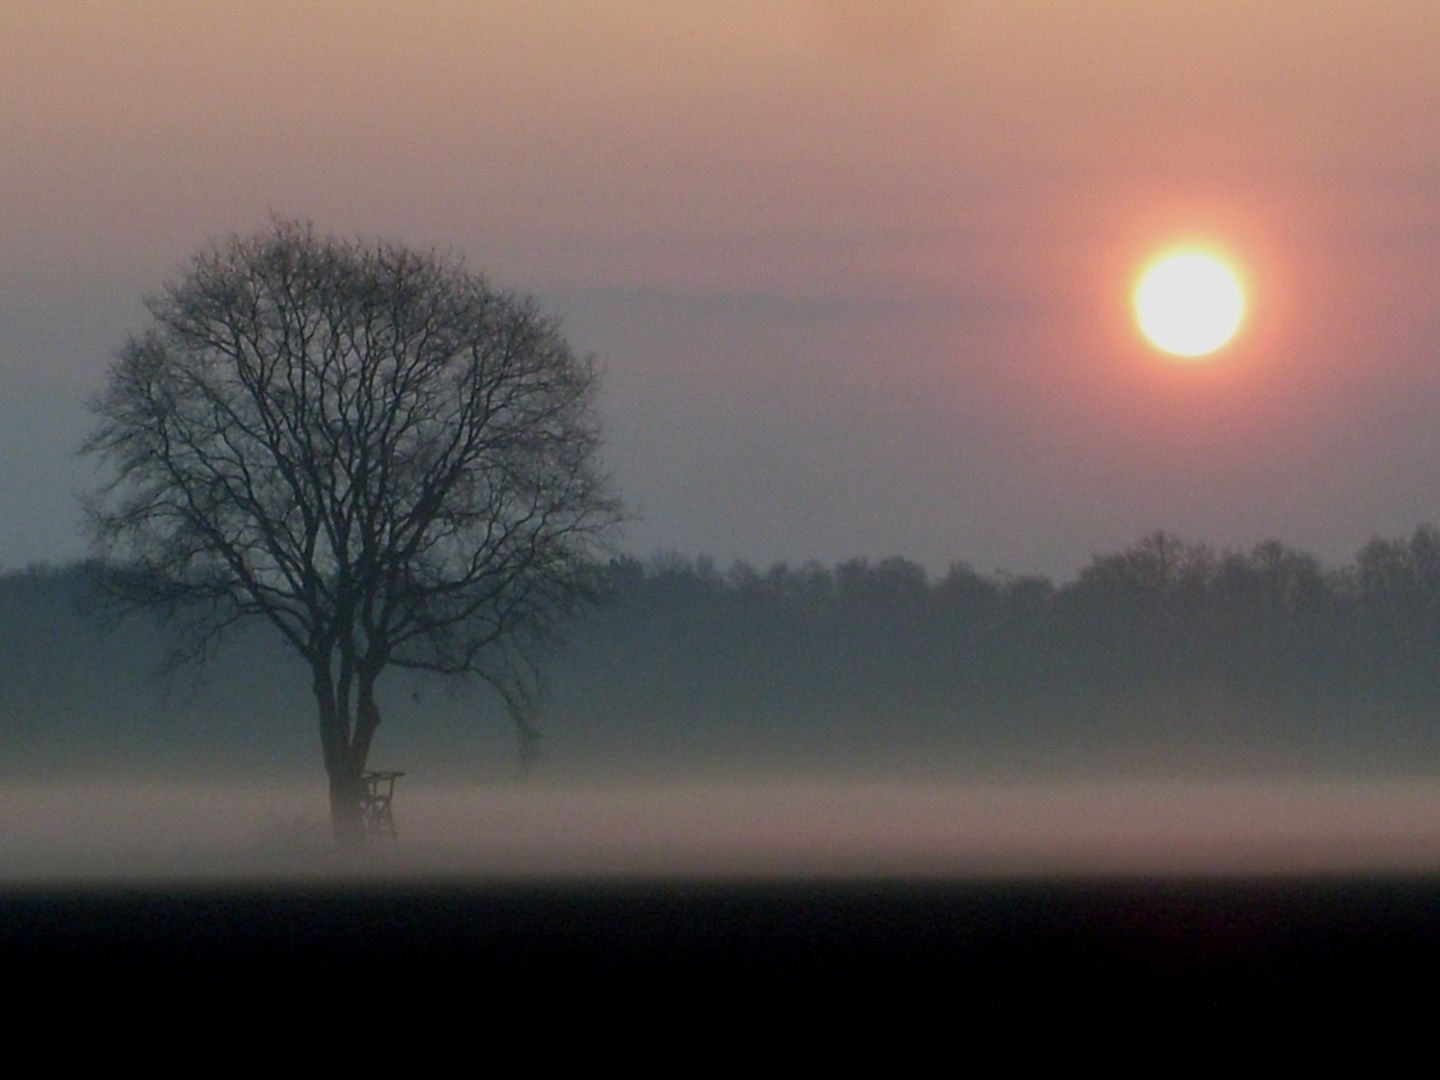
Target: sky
857, 273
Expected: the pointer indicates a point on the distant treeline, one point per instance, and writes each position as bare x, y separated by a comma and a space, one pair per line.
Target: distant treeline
1166, 656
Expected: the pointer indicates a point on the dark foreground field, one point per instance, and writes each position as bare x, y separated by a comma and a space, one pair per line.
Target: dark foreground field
575, 945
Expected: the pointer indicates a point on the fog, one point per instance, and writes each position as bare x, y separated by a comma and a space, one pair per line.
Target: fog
1171, 710
857, 277
78, 832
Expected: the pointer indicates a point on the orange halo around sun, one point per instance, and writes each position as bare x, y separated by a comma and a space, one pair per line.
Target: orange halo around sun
1189, 303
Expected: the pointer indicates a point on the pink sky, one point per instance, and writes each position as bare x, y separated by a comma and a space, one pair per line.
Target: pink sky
857, 272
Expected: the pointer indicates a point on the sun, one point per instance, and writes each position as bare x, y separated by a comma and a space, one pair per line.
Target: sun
1189, 303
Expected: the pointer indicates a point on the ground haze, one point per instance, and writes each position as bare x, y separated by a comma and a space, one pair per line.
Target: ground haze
175, 833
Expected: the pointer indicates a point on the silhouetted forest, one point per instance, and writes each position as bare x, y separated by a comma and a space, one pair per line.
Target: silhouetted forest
1167, 657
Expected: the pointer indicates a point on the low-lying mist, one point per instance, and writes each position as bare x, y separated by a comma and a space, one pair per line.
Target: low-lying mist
63, 833
1171, 710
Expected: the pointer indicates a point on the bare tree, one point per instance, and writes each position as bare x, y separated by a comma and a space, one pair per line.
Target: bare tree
369, 448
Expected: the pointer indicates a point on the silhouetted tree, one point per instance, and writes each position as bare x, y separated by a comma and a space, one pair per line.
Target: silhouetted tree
371, 449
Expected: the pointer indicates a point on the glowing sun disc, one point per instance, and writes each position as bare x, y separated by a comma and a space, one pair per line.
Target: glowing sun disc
1189, 304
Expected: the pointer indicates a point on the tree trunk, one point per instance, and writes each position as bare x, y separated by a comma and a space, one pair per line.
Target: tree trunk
346, 745
347, 818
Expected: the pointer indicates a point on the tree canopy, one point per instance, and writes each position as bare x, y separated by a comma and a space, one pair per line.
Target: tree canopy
391, 462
